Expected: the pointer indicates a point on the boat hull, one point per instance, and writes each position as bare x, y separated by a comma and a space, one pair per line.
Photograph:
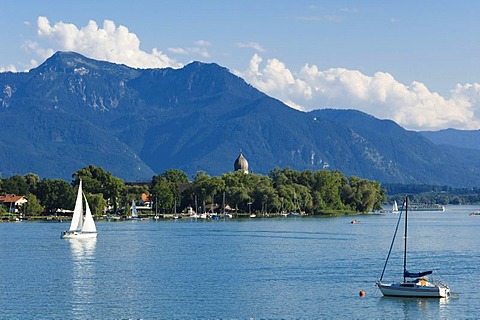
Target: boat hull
400, 290
78, 235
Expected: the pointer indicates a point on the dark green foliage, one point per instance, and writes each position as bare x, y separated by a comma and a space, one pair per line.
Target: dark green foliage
55, 194
287, 190
98, 181
15, 185
33, 207
282, 190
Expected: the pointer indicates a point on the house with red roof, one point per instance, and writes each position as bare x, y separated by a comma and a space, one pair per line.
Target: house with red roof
12, 202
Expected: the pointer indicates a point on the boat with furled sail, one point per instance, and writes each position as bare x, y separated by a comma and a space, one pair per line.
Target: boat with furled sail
414, 284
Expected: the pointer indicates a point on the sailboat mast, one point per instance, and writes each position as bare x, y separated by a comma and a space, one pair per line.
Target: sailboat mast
223, 205
405, 239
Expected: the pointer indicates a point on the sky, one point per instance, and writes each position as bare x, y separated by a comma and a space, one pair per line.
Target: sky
414, 62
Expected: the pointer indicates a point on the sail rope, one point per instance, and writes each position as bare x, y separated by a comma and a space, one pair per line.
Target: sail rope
393, 241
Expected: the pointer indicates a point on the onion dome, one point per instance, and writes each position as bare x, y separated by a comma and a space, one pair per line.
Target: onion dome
241, 164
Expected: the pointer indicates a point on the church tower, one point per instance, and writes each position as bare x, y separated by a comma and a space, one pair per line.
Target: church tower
241, 164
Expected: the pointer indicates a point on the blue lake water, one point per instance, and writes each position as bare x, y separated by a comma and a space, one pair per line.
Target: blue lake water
290, 268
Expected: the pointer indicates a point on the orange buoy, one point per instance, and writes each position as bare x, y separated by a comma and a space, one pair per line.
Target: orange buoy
361, 293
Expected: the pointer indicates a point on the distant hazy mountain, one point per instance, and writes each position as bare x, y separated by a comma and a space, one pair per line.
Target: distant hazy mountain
459, 138
73, 111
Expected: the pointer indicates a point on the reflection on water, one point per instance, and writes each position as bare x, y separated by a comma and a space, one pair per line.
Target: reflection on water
83, 275
83, 248
410, 308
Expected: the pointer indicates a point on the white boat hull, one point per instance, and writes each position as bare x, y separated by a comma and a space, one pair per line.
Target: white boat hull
414, 290
78, 235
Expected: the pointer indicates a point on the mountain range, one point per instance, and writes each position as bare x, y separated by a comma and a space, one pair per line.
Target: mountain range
73, 111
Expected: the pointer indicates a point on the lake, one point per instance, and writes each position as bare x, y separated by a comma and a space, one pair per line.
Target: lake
279, 268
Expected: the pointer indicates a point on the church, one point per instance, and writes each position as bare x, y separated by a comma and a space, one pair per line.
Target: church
241, 164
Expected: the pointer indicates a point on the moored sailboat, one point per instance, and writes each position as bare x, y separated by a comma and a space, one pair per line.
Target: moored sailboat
395, 207
81, 226
134, 210
413, 284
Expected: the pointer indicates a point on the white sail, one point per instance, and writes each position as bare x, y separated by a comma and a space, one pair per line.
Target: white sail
88, 224
81, 227
77, 219
134, 210
395, 207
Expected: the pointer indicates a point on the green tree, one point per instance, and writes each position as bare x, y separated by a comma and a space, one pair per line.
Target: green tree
239, 190
15, 185
97, 180
206, 187
32, 181
326, 186
265, 197
3, 211
362, 195
33, 207
97, 203
172, 179
175, 176
163, 193
55, 194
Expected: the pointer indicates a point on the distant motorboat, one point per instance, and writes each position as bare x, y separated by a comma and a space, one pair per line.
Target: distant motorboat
426, 207
475, 213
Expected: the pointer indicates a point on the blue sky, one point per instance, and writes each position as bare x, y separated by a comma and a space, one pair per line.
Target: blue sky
415, 62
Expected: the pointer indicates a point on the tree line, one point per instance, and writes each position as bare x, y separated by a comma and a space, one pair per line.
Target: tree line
421, 193
282, 190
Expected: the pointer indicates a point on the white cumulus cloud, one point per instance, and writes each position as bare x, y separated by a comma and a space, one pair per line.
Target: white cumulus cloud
110, 43
413, 106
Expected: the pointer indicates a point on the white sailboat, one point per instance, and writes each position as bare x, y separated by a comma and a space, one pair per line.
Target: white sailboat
395, 207
81, 226
135, 215
414, 284
134, 210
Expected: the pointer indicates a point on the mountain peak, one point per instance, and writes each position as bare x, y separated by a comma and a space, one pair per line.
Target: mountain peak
63, 60
73, 111
68, 62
